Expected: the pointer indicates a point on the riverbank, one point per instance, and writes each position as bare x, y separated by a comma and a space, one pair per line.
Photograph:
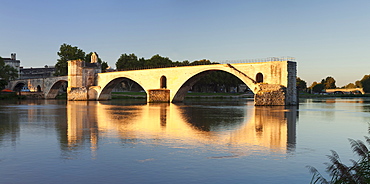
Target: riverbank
11, 96
307, 95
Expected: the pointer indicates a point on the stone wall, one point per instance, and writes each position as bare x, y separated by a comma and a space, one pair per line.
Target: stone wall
77, 93
291, 92
270, 94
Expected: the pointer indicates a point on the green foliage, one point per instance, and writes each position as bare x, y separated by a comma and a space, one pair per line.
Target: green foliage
301, 84
329, 83
217, 80
88, 58
358, 84
66, 53
201, 62
365, 83
350, 85
130, 61
358, 172
317, 87
104, 65
159, 61
6, 73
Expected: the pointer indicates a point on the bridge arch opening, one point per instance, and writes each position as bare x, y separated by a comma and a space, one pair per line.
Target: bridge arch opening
58, 86
38, 88
163, 82
228, 82
18, 87
259, 78
121, 84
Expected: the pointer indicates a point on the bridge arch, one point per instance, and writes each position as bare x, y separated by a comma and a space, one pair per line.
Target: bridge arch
18, 86
106, 90
186, 86
53, 91
38, 88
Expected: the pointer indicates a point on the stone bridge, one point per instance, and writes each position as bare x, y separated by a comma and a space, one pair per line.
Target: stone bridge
49, 87
273, 83
346, 90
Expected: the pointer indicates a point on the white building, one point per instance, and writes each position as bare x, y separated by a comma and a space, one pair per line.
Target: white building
12, 61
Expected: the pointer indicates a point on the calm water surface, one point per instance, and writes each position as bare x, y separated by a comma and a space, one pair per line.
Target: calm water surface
207, 141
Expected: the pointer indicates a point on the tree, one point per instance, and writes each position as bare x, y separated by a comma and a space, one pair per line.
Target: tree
301, 84
6, 73
365, 83
358, 172
317, 87
66, 53
201, 62
104, 66
126, 62
350, 85
329, 83
358, 84
158, 61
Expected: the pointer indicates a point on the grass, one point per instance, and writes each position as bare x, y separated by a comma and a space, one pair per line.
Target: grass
11, 96
62, 96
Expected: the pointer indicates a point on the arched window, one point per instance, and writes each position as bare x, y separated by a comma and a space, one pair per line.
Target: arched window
163, 82
38, 88
259, 78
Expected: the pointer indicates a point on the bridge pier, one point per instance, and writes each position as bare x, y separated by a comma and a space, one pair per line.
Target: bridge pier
82, 80
270, 95
159, 96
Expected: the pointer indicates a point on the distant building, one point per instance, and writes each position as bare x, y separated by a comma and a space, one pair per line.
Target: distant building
29, 73
32, 73
12, 61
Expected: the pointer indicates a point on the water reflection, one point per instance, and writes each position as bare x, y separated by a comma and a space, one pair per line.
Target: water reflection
220, 127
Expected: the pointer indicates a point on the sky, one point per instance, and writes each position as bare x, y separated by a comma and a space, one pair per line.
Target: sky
327, 37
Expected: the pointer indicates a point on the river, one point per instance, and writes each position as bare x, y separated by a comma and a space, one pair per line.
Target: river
198, 141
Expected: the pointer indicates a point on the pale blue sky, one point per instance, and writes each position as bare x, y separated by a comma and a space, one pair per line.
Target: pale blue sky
327, 37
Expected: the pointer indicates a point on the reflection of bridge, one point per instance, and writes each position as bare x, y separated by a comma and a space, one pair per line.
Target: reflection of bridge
271, 128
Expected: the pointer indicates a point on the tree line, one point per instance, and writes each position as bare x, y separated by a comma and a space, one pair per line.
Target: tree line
329, 83
217, 81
